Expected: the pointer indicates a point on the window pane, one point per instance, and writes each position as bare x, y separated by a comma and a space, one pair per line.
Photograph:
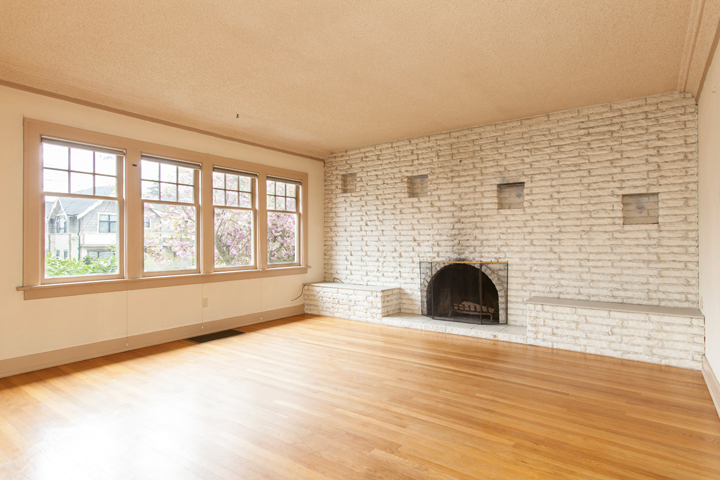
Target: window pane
105, 164
81, 160
168, 192
218, 180
55, 181
279, 203
245, 184
150, 170
270, 187
218, 197
55, 156
290, 204
186, 194
231, 199
290, 190
81, 183
233, 238
270, 202
279, 188
168, 173
282, 238
80, 246
245, 200
231, 182
186, 176
170, 240
106, 186
150, 190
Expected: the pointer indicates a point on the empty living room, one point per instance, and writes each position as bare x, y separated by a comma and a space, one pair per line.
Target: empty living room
360, 240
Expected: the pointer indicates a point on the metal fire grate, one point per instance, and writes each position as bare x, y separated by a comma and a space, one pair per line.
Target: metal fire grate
438, 300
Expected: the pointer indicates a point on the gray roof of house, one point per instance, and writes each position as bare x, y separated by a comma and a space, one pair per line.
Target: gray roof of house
76, 205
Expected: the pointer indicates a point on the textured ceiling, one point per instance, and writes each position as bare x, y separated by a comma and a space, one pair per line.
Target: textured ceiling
316, 76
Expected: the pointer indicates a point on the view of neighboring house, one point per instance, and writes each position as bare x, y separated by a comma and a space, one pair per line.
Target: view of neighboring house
77, 227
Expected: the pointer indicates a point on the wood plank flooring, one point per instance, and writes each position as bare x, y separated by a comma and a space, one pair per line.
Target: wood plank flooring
323, 398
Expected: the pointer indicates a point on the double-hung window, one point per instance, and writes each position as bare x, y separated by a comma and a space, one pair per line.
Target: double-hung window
234, 213
171, 202
105, 213
80, 185
283, 220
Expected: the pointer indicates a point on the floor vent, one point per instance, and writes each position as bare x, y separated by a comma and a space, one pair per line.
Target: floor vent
215, 336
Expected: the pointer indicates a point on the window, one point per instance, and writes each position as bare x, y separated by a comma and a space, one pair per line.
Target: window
107, 224
170, 201
640, 209
234, 218
77, 179
100, 253
418, 186
511, 195
282, 221
136, 214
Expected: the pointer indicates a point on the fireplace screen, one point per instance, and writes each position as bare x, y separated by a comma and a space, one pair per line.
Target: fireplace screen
469, 292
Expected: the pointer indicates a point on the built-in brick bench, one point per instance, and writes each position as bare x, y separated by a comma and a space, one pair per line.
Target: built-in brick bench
664, 335
354, 302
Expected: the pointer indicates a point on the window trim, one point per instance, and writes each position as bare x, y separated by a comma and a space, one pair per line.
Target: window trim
131, 220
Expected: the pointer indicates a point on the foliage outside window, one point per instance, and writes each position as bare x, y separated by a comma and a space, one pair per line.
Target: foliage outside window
78, 182
170, 203
282, 221
233, 233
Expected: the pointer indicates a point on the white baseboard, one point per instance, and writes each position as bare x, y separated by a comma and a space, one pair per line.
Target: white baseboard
712, 383
38, 361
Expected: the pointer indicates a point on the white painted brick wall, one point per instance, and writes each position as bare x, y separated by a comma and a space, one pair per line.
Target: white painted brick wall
352, 304
663, 339
569, 241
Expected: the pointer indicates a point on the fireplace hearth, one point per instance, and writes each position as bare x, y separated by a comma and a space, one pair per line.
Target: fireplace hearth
467, 292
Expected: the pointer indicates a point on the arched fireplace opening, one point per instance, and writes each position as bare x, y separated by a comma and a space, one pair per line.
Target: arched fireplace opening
463, 293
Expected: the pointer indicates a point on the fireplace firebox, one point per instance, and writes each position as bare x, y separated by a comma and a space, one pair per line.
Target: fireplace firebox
468, 292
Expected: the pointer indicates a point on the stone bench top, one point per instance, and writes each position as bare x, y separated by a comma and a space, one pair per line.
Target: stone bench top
618, 307
351, 286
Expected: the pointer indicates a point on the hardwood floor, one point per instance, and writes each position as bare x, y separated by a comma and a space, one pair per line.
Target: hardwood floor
322, 398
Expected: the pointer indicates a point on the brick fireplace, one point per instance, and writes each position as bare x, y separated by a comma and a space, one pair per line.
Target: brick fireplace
597, 205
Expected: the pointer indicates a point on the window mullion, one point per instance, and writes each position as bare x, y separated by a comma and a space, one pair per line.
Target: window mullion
206, 249
134, 220
261, 242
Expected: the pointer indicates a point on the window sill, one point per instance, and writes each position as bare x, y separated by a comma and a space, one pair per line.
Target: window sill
119, 285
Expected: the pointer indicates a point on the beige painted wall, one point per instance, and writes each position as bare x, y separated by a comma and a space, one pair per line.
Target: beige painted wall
34, 326
709, 197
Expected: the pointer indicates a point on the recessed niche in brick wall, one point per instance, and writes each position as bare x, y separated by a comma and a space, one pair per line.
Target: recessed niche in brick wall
418, 186
511, 195
348, 183
640, 209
